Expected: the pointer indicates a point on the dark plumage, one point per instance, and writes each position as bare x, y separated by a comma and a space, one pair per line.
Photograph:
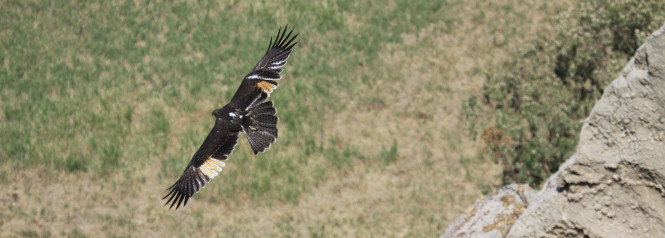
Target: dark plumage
248, 111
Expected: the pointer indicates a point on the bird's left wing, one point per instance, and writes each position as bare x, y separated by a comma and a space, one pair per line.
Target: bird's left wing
276, 55
206, 163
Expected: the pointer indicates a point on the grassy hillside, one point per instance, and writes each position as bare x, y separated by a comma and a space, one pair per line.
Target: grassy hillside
103, 104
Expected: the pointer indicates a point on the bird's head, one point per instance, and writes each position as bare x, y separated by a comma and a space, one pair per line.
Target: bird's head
216, 112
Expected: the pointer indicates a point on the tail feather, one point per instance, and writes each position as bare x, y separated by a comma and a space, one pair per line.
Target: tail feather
271, 130
267, 120
260, 126
269, 110
260, 141
265, 108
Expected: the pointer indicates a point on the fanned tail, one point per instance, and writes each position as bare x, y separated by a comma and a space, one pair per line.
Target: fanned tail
260, 126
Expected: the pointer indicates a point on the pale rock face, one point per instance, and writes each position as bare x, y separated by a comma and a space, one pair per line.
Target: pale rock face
493, 215
614, 185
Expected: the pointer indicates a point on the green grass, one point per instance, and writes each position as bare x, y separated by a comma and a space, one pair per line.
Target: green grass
389, 155
98, 92
118, 95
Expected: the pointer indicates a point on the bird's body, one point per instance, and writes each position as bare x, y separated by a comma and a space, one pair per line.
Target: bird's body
248, 111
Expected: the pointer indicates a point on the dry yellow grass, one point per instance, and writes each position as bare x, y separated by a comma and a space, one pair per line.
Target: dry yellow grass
415, 103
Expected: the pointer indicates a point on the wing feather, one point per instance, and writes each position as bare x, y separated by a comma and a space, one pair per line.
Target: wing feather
278, 51
203, 167
262, 79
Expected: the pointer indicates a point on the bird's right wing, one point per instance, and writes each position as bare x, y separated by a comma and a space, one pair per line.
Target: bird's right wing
206, 163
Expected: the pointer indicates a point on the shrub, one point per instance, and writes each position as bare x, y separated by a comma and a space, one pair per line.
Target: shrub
540, 98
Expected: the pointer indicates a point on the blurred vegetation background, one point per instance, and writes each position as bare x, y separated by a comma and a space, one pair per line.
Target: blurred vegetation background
391, 112
540, 98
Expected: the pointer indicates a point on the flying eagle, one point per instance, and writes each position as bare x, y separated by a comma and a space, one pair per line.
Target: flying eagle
249, 112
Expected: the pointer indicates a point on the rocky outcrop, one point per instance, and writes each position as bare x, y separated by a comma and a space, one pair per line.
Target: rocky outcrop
614, 185
494, 215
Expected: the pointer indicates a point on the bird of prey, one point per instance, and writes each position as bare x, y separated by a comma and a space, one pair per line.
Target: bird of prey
248, 111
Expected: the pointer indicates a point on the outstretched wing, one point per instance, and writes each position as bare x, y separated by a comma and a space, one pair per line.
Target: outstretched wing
264, 76
276, 55
206, 163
